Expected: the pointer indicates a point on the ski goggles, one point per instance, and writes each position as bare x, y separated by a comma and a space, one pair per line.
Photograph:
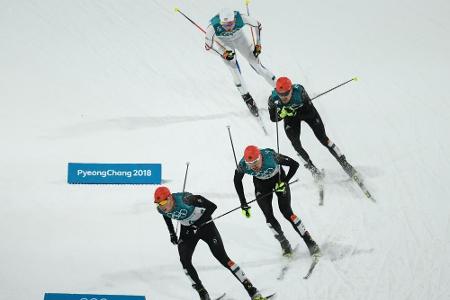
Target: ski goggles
283, 94
253, 162
162, 203
228, 25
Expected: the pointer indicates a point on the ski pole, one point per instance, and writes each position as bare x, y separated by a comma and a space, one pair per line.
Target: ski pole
206, 46
236, 208
201, 29
232, 146
344, 83
184, 188
178, 10
248, 13
278, 143
185, 176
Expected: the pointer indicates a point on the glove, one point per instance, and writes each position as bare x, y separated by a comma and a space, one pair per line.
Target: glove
194, 228
257, 50
286, 112
246, 211
174, 239
228, 55
280, 187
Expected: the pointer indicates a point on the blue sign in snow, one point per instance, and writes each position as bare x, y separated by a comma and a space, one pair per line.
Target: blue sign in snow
52, 296
99, 173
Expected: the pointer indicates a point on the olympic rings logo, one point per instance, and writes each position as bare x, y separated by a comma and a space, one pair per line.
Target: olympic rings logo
267, 173
177, 215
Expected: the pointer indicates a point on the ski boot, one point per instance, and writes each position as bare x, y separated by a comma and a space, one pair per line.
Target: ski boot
317, 175
314, 250
252, 291
201, 292
286, 247
258, 296
348, 168
251, 104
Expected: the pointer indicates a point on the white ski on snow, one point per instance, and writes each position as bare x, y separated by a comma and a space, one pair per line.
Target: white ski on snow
359, 181
261, 123
313, 265
287, 263
319, 183
220, 297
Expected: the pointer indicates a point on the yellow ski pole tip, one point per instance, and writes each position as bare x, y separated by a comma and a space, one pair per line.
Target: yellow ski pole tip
177, 9
355, 78
247, 2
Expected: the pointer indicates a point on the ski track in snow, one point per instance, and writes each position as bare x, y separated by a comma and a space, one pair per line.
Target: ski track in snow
136, 123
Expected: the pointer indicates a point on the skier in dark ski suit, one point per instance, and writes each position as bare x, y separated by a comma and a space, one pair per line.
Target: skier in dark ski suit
293, 105
268, 175
192, 211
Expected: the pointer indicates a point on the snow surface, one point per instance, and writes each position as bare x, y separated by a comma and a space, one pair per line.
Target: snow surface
130, 81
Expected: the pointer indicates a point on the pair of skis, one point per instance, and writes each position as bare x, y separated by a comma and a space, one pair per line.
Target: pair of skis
288, 261
222, 297
355, 178
285, 268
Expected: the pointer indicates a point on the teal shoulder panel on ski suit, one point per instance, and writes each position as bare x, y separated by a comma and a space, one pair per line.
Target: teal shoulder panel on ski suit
180, 210
296, 99
220, 31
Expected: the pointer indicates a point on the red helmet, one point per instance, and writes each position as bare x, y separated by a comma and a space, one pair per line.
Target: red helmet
283, 86
161, 193
251, 154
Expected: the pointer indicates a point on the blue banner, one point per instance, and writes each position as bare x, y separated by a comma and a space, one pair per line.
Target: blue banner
99, 173
52, 296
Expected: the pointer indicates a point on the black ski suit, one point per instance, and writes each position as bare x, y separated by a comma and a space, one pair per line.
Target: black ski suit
264, 193
190, 235
303, 110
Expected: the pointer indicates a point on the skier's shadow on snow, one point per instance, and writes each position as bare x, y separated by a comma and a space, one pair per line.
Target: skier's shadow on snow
335, 251
337, 176
331, 251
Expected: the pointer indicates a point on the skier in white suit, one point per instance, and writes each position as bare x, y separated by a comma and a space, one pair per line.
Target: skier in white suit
224, 36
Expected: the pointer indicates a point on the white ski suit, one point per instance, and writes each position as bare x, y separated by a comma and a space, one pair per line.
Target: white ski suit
220, 40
